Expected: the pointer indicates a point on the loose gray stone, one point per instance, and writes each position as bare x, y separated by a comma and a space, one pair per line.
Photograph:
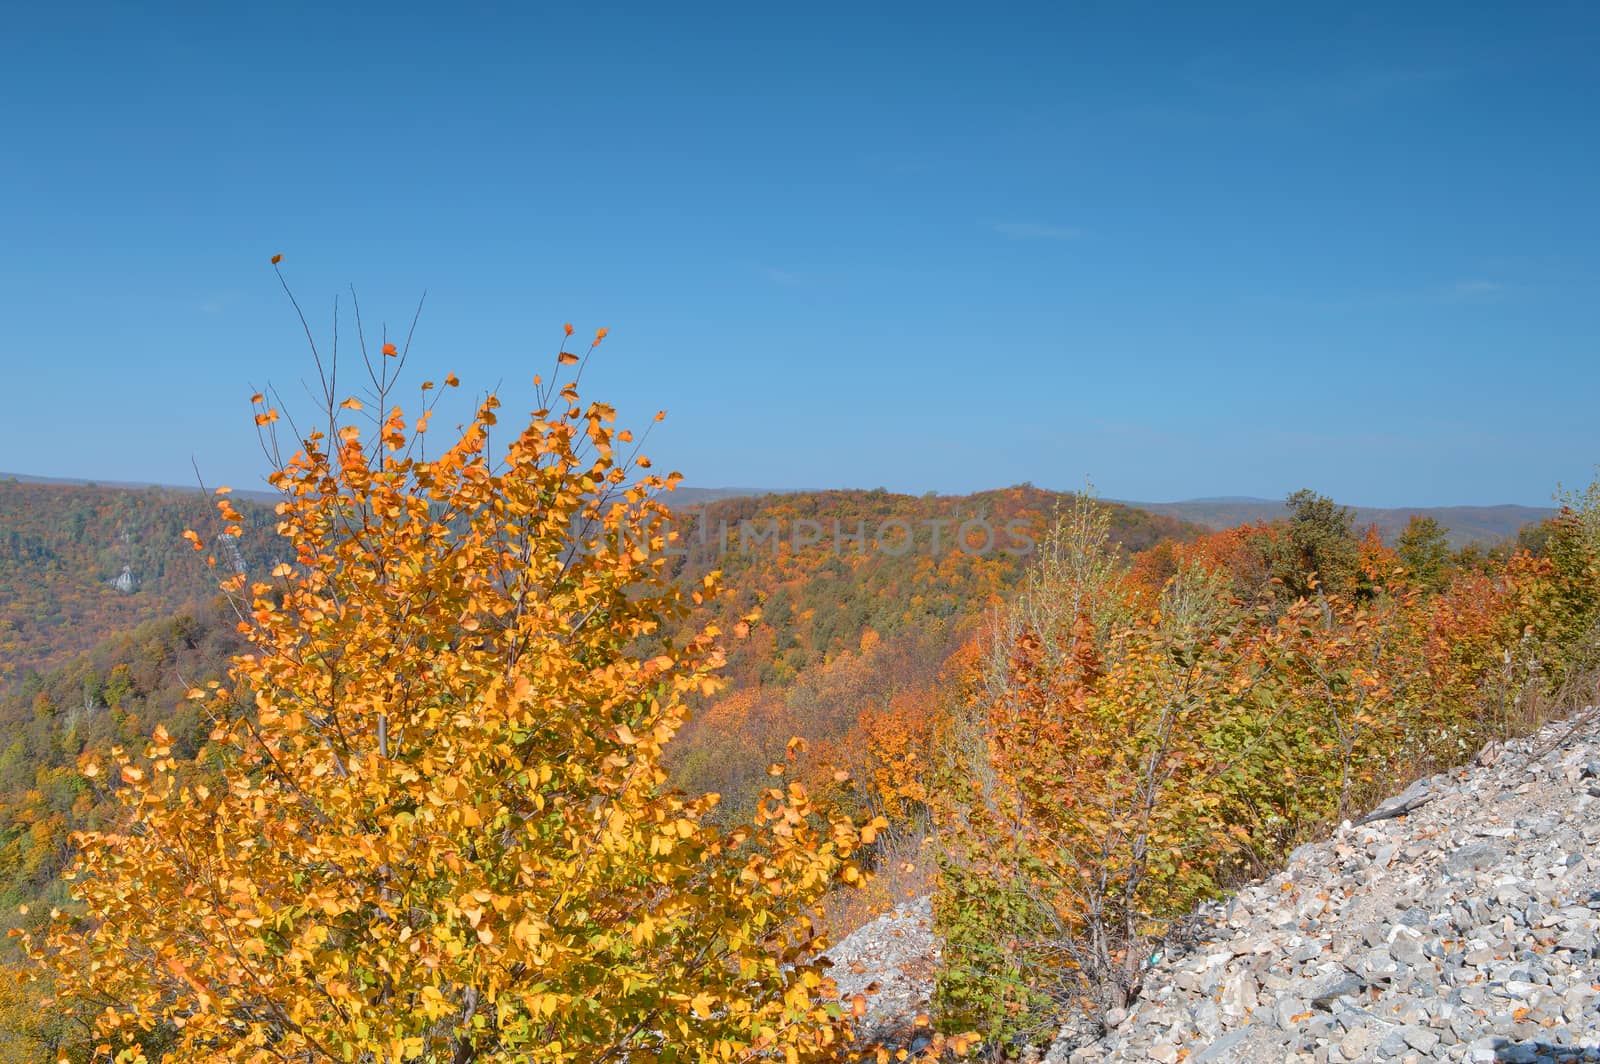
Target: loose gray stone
1473, 857
1219, 1050
1422, 1039
1330, 989
1466, 929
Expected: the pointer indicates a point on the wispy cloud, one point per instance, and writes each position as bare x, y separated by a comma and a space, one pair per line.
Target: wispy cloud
1037, 231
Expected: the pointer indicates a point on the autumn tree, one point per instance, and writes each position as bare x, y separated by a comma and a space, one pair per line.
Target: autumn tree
1138, 738
1558, 597
432, 822
1319, 548
28, 1031
1088, 785
1425, 551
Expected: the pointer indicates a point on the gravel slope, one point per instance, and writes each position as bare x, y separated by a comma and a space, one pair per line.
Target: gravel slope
1460, 922
890, 963
1463, 925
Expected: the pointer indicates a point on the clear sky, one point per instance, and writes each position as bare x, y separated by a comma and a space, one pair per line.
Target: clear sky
1185, 250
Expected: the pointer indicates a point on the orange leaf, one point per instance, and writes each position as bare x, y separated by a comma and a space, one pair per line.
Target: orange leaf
568, 328
566, 358
389, 351
277, 259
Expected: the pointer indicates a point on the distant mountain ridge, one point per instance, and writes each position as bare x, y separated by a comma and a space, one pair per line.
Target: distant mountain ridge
1484, 525
684, 496
259, 494
1466, 524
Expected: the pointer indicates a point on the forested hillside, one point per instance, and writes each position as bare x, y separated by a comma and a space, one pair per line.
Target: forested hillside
840, 630
862, 596
79, 563
825, 567
116, 693
912, 645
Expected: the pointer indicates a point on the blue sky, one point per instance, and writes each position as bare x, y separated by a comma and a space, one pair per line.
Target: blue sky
1184, 250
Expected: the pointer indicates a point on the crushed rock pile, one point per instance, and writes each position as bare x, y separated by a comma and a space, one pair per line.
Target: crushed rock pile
891, 963
1460, 921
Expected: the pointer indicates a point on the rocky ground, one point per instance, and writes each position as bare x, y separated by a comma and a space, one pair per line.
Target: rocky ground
1459, 922
890, 963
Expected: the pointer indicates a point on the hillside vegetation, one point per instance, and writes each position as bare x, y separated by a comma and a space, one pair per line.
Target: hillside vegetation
849, 627
115, 694
821, 608
490, 767
1132, 741
64, 547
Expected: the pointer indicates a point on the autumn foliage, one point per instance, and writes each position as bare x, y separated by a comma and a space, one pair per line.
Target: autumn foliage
1136, 738
448, 802
63, 546
432, 821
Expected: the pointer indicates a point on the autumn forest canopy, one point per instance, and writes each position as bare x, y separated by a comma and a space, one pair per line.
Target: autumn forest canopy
822, 534
471, 743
